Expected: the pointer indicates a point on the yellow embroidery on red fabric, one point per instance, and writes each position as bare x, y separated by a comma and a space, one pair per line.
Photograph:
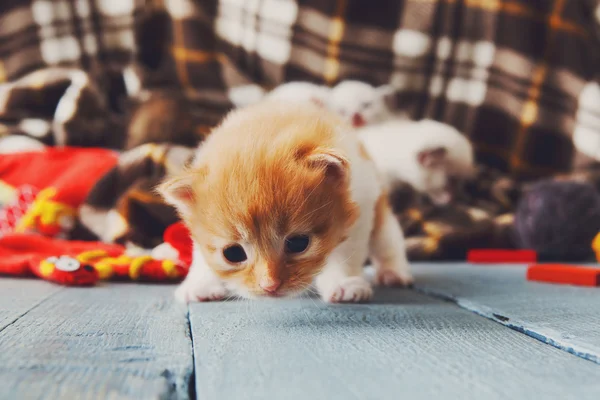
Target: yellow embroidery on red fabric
46, 268
136, 266
91, 255
596, 246
45, 212
170, 269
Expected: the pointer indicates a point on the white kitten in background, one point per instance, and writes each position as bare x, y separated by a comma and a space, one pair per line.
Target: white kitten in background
423, 153
301, 91
243, 96
361, 104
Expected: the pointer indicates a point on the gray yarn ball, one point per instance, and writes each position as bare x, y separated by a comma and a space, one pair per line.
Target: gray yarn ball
559, 220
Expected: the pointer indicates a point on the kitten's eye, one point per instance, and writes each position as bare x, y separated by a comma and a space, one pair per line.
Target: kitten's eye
296, 244
235, 254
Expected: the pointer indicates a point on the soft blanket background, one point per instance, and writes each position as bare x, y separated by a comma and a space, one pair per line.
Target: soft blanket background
519, 78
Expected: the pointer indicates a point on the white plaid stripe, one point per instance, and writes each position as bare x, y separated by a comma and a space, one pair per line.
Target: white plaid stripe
471, 89
121, 39
55, 48
587, 129
179, 9
116, 8
39, 33
410, 43
262, 27
468, 87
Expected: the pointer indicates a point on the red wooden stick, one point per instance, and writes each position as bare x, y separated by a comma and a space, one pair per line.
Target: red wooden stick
565, 274
501, 256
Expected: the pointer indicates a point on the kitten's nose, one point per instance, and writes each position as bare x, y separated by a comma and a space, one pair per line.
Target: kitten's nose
358, 120
270, 284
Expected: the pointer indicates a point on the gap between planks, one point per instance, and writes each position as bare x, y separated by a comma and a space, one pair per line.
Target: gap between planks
520, 327
31, 308
192, 376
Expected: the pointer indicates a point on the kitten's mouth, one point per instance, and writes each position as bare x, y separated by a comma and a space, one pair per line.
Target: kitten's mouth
273, 295
280, 293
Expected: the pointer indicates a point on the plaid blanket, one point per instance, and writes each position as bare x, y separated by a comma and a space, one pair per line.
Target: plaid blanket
94, 35
61, 107
519, 78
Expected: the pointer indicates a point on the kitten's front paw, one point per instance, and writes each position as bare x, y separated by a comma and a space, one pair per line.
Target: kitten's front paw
353, 289
192, 291
390, 277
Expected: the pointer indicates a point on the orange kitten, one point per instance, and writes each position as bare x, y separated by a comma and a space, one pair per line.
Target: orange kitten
283, 195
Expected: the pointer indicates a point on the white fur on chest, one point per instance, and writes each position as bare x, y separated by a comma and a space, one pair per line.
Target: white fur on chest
342, 280
365, 188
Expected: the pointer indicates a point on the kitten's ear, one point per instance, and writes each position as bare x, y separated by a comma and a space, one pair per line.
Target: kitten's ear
432, 158
178, 192
385, 90
334, 163
388, 94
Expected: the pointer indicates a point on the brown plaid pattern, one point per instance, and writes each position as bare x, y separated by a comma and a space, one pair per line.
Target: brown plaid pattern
518, 77
91, 34
60, 106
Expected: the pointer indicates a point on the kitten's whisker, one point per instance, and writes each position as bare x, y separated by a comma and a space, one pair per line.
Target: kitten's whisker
349, 257
308, 288
307, 216
311, 192
247, 307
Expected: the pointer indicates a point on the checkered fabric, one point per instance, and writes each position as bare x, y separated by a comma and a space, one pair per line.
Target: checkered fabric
91, 34
62, 107
58, 43
519, 77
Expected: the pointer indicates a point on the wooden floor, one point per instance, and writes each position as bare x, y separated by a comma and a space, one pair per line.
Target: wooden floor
464, 332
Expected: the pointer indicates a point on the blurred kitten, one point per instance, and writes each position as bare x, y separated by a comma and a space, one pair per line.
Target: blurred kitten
283, 193
361, 104
165, 118
300, 92
424, 153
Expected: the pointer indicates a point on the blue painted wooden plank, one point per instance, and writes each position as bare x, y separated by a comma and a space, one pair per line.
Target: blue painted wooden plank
567, 317
119, 341
18, 296
406, 346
